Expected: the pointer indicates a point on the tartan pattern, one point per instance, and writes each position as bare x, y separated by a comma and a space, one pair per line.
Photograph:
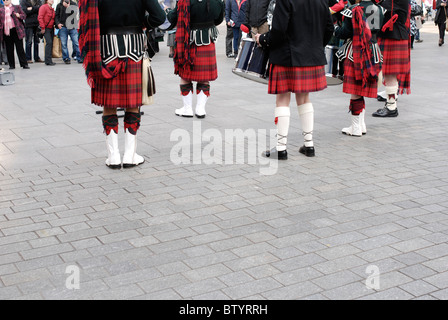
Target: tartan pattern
296, 79
354, 86
184, 53
396, 60
204, 67
90, 44
123, 91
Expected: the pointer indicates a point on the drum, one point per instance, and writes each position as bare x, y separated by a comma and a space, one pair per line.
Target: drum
331, 68
252, 62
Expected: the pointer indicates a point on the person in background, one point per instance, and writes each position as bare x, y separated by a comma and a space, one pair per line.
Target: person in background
300, 31
256, 19
229, 36
195, 53
31, 9
394, 40
235, 16
361, 24
3, 56
419, 21
66, 22
46, 23
12, 31
440, 19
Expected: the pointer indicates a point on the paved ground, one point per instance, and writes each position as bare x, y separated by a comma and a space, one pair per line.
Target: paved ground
367, 218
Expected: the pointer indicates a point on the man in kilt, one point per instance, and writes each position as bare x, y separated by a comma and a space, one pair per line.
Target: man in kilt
195, 54
362, 58
395, 43
112, 44
300, 31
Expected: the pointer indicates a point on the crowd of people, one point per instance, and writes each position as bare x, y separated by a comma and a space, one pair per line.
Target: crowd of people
376, 51
33, 20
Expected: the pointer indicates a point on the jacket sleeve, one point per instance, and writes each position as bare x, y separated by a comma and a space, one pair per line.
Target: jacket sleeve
329, 29
57, 17
220, 17
41, 18
227, 9
18, 9
155, 15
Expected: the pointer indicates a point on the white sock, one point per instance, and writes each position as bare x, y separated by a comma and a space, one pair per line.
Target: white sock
306, 113
282, 116
392, 102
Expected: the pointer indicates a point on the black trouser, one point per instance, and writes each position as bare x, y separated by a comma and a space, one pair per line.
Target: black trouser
11, 41
49, 34
442, 27
31, 37
229, 39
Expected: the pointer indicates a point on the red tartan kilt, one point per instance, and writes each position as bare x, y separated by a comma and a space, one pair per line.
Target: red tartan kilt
123, 91
353, 86
296, 79
396, 56
204, 68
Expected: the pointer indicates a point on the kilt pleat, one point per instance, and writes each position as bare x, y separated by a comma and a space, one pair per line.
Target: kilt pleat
296, 79
353, 86
123, 91
204, 67
396, 56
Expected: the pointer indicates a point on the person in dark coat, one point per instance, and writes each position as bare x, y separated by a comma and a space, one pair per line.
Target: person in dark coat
12, 31
300, 31
256, 17
112, 49
31, 9
195, 52
235, 16
395, 42
440, 19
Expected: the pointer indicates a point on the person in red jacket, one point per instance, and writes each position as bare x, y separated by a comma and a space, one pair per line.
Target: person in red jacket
13, 32
46, 23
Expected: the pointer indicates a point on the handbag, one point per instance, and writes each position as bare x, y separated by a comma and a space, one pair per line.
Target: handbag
148, 83
57, 48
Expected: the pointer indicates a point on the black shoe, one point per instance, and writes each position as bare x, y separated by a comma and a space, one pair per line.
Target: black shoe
280, 155
230, 55
385, 113
308, 151
67, 61
51, 64
25, 67
380, 98
12, 68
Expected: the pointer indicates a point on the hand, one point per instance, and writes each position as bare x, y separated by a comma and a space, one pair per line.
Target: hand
29, 8
257, 38
17, 15
60, 26
443, 4
42, 31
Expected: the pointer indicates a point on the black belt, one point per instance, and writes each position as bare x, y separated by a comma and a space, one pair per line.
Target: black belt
202, 25
122, 30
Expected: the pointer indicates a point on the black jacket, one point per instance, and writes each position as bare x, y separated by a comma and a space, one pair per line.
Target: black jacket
300, 31
256, 12
440, 17
63, 14
31, 15
400, 7
118, 14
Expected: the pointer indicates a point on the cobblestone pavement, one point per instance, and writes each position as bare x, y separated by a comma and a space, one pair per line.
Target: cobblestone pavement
367, 218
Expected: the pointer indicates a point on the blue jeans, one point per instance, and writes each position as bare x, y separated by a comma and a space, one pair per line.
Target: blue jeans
63, 35
236, 39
